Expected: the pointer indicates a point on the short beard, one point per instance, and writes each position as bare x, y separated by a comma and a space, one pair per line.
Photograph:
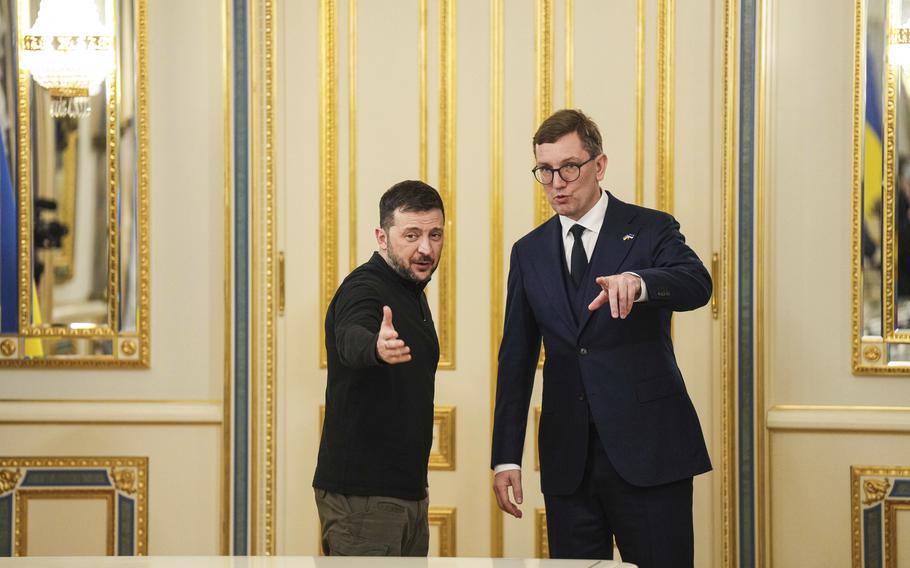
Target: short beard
402, 269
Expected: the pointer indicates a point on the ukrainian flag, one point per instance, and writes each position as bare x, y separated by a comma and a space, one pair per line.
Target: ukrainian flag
9, 239
872, 146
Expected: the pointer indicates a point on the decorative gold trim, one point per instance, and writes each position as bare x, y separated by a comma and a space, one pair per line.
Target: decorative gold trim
447, 185
543, 50
570, 51
865, 492
8, 347
228, 83
422, 70
281, 283
444, 458
890, 517
640, 103
889, 244
271, 253
537, 411
139, 465
328, 154
497, 219
666, 93
9, 479
541, 542
143, 323
872, 353
727, 288
24, 496
856, 279
352, 134
715, 268
445, 519
128, 348
124, 479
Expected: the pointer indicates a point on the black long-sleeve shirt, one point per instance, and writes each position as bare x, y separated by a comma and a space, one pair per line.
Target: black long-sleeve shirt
379, 418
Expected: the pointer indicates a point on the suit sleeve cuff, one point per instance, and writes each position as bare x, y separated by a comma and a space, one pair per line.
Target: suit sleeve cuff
643, 297
505, 467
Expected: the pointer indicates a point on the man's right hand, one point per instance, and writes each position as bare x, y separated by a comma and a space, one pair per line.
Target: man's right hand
388, 347
501, 483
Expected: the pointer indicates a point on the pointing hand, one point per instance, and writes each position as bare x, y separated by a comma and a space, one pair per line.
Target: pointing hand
620, 290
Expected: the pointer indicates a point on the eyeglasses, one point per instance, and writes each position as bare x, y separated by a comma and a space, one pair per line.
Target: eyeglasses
567, 172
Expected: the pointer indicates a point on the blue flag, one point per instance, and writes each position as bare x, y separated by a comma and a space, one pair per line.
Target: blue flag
9, 269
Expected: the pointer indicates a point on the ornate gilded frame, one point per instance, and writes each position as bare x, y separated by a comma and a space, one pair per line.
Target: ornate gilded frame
129, 349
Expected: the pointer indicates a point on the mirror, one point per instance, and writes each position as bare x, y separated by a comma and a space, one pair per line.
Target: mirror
76, 292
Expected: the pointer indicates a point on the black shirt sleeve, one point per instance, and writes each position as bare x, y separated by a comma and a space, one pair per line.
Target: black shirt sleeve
358, 315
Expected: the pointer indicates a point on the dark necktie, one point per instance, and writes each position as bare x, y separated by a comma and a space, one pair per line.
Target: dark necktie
579, 258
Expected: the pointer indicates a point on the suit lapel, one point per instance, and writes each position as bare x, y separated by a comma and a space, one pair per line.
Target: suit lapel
615, 240
549, 267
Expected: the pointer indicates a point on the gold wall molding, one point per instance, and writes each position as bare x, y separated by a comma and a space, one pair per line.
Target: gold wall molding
352, 134
443, 458
445, 519
24, 496
447, 184
328, 162
640, 102
111, 412
543, 51
497, 219
228, 260
541, 543
891, 544
666, 107
127, 476
727, 287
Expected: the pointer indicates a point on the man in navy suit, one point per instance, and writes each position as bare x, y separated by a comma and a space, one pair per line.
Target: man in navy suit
619, 439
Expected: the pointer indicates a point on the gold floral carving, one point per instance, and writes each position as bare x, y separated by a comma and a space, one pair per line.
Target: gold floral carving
872, 353
875, 490
128, 347
124, 479
9, 478
8, 347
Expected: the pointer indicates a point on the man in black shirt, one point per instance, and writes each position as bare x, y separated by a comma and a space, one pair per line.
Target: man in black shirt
371, 474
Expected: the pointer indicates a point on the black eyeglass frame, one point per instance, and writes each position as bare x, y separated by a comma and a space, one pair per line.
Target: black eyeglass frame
559, 170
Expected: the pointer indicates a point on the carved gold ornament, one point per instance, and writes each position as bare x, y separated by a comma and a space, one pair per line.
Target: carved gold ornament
7, 347
9, 478
875, 490
872, 353
128, 348
124, 479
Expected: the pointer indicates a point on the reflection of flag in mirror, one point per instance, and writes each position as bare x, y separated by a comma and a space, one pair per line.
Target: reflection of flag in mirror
9, 270
872, 145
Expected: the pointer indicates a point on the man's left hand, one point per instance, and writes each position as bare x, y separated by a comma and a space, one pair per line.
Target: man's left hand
620, 290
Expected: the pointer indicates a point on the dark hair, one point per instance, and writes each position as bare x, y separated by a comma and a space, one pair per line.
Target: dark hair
408, 195
566, 121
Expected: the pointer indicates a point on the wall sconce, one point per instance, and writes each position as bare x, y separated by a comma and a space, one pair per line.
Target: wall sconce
69, 52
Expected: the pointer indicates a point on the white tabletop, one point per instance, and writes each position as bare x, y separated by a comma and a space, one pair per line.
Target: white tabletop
295, 562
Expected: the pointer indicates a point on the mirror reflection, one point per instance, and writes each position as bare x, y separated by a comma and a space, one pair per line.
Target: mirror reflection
73, 224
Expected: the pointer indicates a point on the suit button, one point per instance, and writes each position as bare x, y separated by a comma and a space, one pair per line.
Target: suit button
583, 351
581, 396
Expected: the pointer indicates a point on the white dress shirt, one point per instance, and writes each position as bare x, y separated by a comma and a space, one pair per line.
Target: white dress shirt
592, 221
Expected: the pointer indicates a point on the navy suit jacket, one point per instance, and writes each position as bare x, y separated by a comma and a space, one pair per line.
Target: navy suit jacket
623, 372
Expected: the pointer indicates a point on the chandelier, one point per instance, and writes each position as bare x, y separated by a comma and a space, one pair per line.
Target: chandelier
69, 52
